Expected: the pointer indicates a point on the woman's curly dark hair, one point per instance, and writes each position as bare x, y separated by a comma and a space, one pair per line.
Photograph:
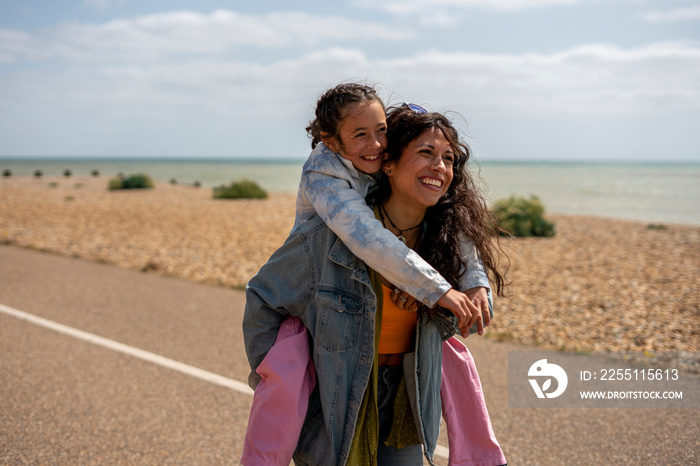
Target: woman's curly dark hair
462, 210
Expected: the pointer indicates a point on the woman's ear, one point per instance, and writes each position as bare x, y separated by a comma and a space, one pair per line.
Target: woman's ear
388, 167
330, 141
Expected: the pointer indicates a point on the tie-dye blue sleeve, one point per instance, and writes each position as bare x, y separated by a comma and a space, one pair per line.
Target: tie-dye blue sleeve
339, 203
476, 273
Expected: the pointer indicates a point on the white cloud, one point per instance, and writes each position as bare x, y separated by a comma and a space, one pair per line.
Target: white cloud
679, 14
413, 7
175, 34
174, 71
13, 44
590, 79
586, 79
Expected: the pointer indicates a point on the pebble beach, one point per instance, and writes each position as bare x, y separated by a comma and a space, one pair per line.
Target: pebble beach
600, 284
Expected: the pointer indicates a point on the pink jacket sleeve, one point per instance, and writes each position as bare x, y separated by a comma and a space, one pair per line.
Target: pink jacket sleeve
281, 398
469, 433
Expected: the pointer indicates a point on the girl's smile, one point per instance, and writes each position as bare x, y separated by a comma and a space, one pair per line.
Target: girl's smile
361, 136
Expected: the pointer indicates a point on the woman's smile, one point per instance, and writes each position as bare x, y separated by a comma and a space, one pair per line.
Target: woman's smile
424, 171
432, 183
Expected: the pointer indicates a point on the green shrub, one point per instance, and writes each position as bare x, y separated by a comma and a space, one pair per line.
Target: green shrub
522, 217
115, 183
137, 181
242, 189
657, 226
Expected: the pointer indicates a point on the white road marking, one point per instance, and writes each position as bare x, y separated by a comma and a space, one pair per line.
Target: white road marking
147, 356
131, 351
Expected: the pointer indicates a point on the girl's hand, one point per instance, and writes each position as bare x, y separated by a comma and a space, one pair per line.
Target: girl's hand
464, 309
469, 307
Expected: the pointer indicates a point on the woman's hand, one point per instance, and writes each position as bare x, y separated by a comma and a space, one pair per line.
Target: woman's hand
404, 300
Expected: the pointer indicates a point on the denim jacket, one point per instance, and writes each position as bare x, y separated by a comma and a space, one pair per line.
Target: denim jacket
334, 190
315, 277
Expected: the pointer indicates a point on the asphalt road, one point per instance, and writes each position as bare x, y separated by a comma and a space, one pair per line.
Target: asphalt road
65, 400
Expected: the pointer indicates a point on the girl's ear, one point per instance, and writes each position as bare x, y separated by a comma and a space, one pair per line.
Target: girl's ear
330, 141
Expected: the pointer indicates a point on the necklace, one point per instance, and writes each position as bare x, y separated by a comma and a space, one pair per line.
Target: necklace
401, 232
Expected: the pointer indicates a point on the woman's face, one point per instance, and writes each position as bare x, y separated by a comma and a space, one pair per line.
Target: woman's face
424, 171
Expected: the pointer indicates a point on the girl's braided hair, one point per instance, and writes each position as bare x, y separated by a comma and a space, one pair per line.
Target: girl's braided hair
330, 109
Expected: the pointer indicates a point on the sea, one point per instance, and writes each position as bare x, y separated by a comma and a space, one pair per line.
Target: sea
659, 193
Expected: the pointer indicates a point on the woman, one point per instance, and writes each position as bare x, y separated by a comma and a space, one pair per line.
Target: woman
363, 361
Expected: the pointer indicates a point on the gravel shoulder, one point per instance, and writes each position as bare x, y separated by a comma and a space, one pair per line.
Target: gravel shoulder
599, 284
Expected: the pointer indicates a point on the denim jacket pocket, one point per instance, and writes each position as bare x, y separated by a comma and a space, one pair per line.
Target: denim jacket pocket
339, 319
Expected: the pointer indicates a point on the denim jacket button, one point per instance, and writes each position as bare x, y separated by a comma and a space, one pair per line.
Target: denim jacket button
426, 301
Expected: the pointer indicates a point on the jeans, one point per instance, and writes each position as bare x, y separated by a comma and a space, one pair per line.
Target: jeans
387, 386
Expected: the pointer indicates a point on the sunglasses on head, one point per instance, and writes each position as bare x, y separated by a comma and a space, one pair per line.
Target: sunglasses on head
416, 108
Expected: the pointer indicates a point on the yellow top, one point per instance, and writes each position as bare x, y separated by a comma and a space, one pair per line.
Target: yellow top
398, 327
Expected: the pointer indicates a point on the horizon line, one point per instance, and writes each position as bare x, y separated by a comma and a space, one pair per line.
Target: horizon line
267, 159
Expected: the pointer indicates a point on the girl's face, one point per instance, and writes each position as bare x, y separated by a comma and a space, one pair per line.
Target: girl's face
361, 136
423, 173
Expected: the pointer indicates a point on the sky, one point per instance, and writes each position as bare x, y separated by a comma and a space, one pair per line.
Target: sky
570, 80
